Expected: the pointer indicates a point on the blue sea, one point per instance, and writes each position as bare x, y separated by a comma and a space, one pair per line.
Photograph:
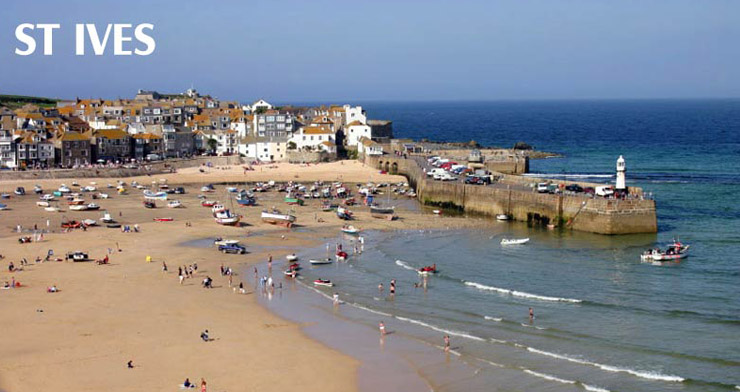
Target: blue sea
604, 320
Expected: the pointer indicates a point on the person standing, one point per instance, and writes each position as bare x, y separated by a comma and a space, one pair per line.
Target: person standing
447, 343
531, 315
381, 326
202, 385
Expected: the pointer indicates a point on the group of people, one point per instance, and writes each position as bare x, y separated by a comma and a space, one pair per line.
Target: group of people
186, 271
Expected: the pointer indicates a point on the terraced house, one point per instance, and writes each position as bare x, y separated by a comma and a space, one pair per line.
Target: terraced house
73, 149
111, 145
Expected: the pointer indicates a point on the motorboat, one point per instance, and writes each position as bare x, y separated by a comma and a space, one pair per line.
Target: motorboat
349, 229
675, 251
64, 189
291, 257
227, 218
107, 218
93, 206
275, 217
343, 213
503, 217
78, 207
155, 195
37, 190
224, 241
174, 204
20, 191
89, 188
245, 199
320, 261
323, 282
42, 203
514, 241
388, 213
428, 270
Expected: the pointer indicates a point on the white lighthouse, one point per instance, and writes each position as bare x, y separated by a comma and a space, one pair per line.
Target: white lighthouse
621, 185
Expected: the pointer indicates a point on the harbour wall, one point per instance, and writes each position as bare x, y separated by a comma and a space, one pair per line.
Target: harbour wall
577, 212
101, 172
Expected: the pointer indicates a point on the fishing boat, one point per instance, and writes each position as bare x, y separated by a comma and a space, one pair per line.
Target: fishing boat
388, 213
93, 207
293, 201
323, 282
343, 213
675, 251
42, 203
107, 218
291, 257
430, 269
224, 241
503, 217
349, 229
155, 195
227, 218
245, 199
514, 241
78, 207
167, 219
277, 218
174, 204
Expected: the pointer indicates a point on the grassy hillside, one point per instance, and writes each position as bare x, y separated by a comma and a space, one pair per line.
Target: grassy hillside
17, 101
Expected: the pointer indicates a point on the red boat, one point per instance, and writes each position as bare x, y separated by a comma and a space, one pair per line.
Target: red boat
341, 255
208, 203
164, 219
73, 224
430, 269
350, 201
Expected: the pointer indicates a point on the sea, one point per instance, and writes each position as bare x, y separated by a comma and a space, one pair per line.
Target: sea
603, 319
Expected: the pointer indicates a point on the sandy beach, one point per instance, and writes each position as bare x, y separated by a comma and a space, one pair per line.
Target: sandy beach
82, 337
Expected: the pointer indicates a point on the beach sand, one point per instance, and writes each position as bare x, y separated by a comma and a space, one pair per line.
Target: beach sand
105, 315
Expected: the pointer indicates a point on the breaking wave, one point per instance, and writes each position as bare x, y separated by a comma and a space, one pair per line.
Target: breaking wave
521, 294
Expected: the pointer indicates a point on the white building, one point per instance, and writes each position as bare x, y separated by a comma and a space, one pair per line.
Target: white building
355, 131
355, 113
313, 138
264, 149
621, 168
367, 146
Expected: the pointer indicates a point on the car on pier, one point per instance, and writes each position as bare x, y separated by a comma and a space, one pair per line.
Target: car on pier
574, 188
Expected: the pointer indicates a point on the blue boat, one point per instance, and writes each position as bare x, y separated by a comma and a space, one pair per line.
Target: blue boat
245, 199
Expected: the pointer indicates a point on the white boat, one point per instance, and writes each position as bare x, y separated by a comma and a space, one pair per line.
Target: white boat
103, 195
675, 251
227, 218
224, 241
323, 282
320, 261
64, 189
42, 203
107, 218
292, 257
349, 229
277, 218
503, 217
174, 204
217, 207
48, 197
231, 189
89, 188
93, 206
514, 241
155, 195
207, 188
436, 212
90, 222
52, 209
37, 190
78, 207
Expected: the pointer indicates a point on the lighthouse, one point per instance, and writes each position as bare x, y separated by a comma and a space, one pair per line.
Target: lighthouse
621, 185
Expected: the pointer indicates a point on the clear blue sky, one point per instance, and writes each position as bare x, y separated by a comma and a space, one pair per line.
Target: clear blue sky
389, 50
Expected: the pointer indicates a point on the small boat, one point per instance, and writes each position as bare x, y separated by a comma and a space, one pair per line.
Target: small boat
227, 218
290, 273
48, 197
37, 190
64, 189
77, 256
341, 255
89, 222
349, 229
20, 191
675, 251
93, 206
149, 204
436, 212
430, 269
231, 189
320, 261
52, 209
78, 207
323, 282
76, 202
292, 257
245, 199
155, 195
168, 219
388, 213
514, 241
207, 188
4, 196
102, 195
71, 224
208, 203
343, 213
294, 201
89, 188
223, 241
107, 218
174, 204
3, 206
503, 217
277, 218
42, 203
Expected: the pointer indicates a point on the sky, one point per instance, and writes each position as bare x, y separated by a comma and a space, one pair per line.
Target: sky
403, 50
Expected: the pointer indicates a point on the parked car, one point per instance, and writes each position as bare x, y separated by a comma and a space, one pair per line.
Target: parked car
542, 187
605, 191
475, 180
232, 248
574, 188
435, 171
589, 190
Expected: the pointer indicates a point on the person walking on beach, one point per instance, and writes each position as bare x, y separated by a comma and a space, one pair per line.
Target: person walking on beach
230, 280
164, 266
202, 385
447, 343
336, 298
381, 326
269, 263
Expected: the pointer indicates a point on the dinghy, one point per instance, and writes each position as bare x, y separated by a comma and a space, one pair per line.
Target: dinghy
323, 282
292, 257
320, 261
514, 241
349, 229
224, 241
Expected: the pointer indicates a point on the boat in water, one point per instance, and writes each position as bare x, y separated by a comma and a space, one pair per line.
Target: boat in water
275, 217
514, 241
349, 229
503, 217
428, 270
323, 282
675, 251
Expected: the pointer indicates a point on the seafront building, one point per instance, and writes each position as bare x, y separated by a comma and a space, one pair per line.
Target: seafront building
153, 125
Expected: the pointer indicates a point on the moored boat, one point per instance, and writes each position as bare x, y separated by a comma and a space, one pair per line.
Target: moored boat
320, 261
155, 195
78, 207
42, 203
277, 218
675, 251
503, 217
291, 257
514, 241
323, 282
349, 229
93, 207
227, 218
343, 213
388, 213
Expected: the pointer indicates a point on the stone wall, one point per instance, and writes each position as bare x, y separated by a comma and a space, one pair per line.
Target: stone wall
153, 168
596, 215
295, 156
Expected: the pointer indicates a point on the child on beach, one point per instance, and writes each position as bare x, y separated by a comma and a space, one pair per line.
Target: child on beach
381, 326
447, 343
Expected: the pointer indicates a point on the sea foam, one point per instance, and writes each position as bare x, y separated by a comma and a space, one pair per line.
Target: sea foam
521, 294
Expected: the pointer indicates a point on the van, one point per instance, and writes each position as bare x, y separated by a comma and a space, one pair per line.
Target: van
435, 171
542, 187
604, 191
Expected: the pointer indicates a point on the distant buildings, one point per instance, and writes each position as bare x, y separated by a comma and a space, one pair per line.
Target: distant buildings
88, 131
